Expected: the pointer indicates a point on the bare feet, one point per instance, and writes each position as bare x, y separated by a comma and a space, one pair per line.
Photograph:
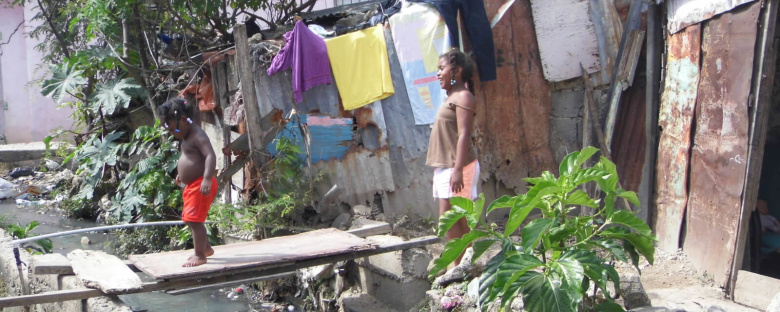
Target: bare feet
194, 261
209, 251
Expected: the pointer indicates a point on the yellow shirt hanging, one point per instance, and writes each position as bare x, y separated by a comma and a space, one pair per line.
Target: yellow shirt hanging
360, 66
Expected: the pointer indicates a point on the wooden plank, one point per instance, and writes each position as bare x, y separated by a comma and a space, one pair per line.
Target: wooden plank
764, 76
675, 120
77, 294
624, 79
719, 153
269, 252
566, 38
103, 271
755, 290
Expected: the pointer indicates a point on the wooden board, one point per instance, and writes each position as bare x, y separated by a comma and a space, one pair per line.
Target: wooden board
257, 255
102, 271
675, 120
720, 144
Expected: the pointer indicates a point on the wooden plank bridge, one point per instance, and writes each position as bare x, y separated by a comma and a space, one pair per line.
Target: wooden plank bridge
231, 264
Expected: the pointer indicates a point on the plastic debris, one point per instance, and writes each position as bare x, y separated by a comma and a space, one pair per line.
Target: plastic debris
7, 189
21, 172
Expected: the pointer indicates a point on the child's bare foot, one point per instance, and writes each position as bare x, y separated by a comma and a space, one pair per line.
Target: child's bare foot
194, 261
209, 252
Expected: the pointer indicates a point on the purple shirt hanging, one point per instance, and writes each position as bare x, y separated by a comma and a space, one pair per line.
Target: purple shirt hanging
308, 56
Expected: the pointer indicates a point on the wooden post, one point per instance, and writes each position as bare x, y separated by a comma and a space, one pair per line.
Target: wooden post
246, 74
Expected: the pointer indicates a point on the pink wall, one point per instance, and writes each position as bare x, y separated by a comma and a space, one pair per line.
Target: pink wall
29, 116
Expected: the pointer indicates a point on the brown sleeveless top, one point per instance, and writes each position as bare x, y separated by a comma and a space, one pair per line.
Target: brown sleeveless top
443, 143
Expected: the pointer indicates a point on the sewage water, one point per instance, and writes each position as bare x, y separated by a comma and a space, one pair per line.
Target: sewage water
52, 222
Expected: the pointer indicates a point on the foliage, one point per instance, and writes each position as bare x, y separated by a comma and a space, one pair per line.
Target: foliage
142, 240
559, 255
19, 231
288, 193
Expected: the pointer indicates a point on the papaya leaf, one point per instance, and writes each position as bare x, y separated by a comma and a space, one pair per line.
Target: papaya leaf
453, 249
65, 80
113, 94
532, 232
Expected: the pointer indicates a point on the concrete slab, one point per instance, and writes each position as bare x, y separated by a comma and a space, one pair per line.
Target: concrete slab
755, 290
26, 151
403, 295
398, 265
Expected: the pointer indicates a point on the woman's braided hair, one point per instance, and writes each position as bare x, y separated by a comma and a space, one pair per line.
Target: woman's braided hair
459, 59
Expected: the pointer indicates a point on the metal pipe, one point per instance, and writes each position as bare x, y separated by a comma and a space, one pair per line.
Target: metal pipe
93, 229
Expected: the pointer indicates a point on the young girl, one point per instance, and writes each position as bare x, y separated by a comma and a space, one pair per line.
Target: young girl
456, 170
196, 170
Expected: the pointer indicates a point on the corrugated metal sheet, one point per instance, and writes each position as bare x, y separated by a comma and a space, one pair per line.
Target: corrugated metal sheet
566, 38
513, 112
682, 13
719, 154
675, 120
628, 144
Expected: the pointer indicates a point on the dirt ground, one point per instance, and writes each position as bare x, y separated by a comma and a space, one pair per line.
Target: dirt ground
672, 283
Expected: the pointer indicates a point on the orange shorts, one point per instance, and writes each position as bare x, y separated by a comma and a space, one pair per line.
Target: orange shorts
196, 205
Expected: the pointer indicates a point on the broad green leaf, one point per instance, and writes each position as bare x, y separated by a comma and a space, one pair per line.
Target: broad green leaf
502, 202
65, 79
579, 197
516, 217
532, 232
592, 266
453, 249
543, 293
613, 276
449, 218
585, 154
572, 272
513, 268
609, 184
481, 246
589, 174
463, 203
561, 233
569, 164
479, 206
631, 221
113, 94
610, 246
487, 290
629, 248
630, 196
643, 244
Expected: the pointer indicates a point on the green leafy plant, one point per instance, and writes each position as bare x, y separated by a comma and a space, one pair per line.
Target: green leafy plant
19, 231
558, 255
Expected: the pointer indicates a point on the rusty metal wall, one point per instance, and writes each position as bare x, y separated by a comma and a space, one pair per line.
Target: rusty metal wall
718, 158
628, 143
513, 112
682, 13
675, 120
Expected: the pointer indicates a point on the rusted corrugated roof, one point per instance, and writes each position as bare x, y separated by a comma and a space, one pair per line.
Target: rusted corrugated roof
682, 13
342, 10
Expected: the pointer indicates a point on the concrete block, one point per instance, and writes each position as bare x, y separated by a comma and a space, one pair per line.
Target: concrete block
402, 295
774, 305
754, 290
363, 303
397, 264
55, 264
26, 151
566, 136
567, 103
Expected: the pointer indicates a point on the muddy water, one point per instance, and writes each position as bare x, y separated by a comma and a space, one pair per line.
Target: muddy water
52, 222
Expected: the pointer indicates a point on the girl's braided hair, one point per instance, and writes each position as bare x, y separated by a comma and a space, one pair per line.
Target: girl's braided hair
174, 109
459, 59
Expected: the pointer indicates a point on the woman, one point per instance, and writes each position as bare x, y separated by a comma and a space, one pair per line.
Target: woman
449, 150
